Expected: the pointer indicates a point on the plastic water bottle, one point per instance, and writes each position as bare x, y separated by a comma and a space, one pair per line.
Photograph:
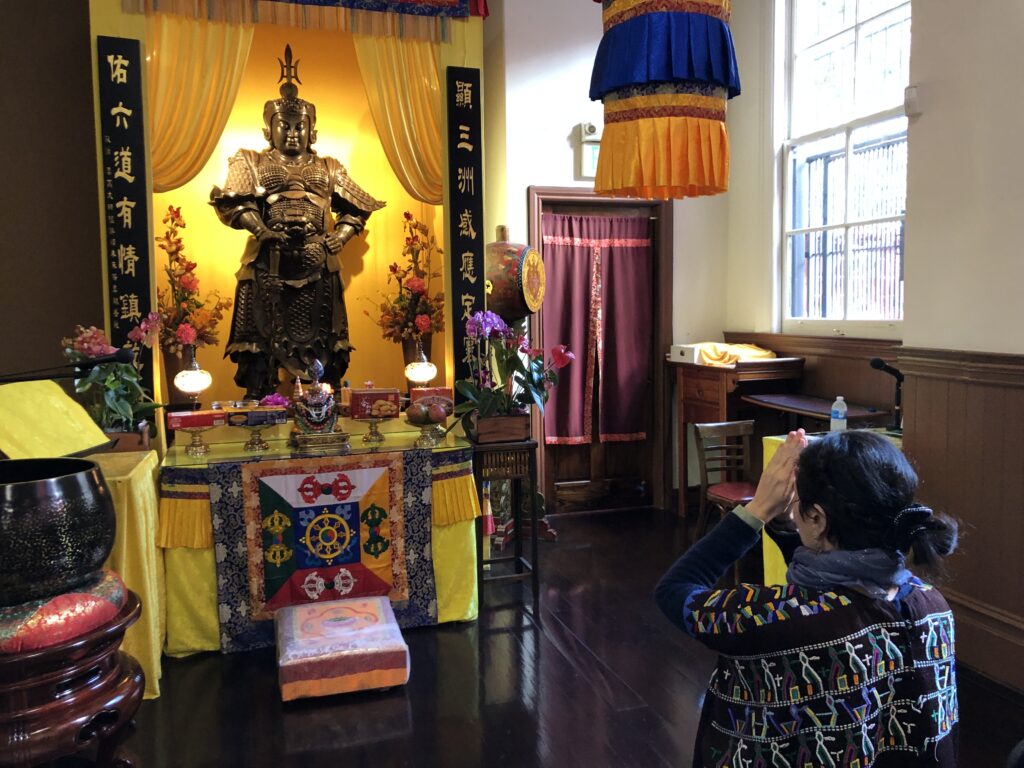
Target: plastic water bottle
838, 422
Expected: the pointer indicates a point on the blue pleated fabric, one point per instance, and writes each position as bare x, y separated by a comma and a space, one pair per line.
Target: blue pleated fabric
665, 47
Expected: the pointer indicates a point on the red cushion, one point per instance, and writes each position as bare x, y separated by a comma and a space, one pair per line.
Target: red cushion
58, 619
732, 493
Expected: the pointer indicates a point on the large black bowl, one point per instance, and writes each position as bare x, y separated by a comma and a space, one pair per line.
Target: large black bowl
56, 526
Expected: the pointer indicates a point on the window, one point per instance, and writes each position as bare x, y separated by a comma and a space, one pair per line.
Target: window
845, 158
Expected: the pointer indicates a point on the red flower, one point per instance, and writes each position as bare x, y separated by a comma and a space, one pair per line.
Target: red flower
185, 334
561, 356
189, 281
423, 323
393, 268
416, 285
408, 216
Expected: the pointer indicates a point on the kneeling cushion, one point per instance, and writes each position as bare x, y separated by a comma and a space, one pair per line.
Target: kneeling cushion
58, 619
339, 646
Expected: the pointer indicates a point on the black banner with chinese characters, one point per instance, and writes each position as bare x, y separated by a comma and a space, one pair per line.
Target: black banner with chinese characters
465, 209
126, 204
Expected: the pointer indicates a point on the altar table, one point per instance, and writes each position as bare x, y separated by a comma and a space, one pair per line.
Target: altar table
206, 585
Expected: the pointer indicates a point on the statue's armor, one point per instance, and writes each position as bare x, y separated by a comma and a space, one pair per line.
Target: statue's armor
289, 306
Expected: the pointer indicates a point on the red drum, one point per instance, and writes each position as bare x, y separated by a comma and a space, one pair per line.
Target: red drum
515, 278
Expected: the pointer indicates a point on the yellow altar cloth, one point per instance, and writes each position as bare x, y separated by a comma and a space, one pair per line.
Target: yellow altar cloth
38, 419
131, 478
774, 564
186, 535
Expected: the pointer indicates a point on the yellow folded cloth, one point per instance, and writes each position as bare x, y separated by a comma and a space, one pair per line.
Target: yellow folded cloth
715, 353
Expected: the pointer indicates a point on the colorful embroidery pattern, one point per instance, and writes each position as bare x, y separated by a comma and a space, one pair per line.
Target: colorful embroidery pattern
843, 702
736, 610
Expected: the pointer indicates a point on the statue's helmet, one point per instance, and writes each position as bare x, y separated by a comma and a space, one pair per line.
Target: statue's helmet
289, 104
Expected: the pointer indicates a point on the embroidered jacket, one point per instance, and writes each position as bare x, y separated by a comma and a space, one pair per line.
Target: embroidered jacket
809, 678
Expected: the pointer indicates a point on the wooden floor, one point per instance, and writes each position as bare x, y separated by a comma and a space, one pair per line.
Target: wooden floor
600, 680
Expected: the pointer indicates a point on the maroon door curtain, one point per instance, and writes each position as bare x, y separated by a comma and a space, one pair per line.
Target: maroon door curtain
599, 293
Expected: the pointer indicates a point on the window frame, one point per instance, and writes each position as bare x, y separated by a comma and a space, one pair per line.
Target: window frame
878, 328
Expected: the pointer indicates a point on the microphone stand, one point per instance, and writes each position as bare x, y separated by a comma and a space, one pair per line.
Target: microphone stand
897, 411
19, 377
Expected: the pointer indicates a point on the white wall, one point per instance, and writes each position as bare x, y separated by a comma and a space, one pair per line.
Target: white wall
548, 51
965, 195
751, 221
538, 57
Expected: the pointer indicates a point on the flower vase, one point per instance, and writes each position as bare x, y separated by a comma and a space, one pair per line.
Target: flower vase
410, 352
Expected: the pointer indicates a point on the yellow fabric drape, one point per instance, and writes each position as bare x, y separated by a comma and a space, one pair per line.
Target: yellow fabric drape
404, 92
193, 74
131, 480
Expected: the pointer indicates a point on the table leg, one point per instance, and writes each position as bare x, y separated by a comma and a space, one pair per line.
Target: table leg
534, 523
681, 443
517, 517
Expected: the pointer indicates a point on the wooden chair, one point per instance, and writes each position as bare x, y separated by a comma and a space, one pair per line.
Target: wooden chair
723, 451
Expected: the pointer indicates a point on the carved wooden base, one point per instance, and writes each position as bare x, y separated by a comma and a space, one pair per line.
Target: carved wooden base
69, 699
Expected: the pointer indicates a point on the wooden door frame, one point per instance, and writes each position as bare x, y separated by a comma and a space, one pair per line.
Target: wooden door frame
661, 210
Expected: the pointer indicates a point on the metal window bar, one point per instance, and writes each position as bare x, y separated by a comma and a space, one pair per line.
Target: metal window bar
875, 249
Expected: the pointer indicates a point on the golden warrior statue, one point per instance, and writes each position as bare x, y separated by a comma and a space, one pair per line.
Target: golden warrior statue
300, 209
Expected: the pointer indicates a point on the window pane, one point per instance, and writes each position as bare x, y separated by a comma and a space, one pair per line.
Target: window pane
876, 272
818, 179
878, 170
816, 274
868, 8
817, 19
883, 62
823, 85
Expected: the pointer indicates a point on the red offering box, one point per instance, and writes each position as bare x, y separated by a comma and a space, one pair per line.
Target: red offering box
375, 403
434, 395
194, 419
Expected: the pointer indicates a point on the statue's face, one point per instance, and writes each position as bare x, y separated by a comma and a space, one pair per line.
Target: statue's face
289, 134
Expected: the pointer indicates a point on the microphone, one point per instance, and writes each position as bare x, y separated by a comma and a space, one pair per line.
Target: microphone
121, 356
880, 365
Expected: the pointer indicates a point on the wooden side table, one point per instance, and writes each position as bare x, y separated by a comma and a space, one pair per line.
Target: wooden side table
515, 462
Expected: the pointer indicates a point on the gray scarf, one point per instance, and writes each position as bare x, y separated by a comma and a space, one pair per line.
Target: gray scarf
871, 571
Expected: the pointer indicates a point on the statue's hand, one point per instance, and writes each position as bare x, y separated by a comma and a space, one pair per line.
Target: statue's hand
266, 234
335, 242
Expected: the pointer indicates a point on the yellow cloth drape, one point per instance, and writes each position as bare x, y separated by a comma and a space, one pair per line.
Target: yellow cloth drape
191, 601
663, 157
404, 92
39, 420
193, 74
131, 478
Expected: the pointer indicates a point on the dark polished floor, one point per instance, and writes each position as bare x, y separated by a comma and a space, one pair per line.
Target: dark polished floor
600, 680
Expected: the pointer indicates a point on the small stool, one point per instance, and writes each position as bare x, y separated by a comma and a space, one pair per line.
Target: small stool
516, 462
339, 646
66, 699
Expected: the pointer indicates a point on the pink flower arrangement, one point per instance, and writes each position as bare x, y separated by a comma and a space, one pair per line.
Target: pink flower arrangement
411, 311
184, 317
86, 343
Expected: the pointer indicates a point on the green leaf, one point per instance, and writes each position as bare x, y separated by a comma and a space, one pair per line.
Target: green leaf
468, 390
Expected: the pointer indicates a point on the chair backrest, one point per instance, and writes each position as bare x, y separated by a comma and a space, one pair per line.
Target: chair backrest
723, 448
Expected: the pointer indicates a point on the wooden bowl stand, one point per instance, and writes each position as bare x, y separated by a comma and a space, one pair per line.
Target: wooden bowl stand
76, 697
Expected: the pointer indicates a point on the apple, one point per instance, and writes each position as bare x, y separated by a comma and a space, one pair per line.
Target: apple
437, 413
418, 414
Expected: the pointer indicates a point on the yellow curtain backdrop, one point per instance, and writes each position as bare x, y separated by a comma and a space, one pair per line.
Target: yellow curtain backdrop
404, 92
193, 74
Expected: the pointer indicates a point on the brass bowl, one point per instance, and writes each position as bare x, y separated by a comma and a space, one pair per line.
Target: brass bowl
56, 526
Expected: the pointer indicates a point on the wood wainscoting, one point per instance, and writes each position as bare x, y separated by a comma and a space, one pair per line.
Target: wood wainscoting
964, 433
833, 365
